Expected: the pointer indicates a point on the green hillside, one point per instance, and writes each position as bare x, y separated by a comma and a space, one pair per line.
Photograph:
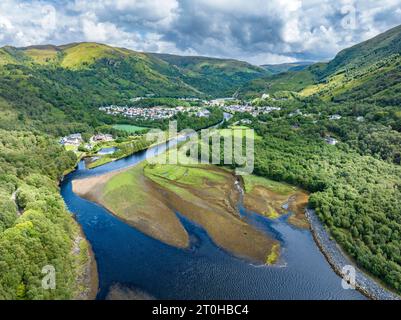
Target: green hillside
294, 81
367, 72
97, 68
367, 53
285, 67
217, 77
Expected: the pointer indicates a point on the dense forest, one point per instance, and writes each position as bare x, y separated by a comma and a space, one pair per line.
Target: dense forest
358, 197
36, 230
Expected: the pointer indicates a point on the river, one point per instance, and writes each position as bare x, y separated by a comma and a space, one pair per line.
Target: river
129, 258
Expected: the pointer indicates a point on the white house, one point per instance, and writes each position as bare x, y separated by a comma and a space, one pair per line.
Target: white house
335, 117
360, 119
72, 140
331, 141
265, 96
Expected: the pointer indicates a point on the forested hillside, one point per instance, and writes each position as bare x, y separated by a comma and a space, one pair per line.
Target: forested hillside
111, 74
369, 72
36, 230
47, 92
216, 77
353, 102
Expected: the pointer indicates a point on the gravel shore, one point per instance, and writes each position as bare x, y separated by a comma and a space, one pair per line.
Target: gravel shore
338, 260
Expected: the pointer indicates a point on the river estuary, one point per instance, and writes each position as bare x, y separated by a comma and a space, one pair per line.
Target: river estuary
133, 260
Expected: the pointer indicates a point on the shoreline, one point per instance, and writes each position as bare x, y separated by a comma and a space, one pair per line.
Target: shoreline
333, 254
338, 259
88, 277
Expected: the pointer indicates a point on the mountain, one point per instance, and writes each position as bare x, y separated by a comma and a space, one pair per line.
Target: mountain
52, 84
223, 76
285, 67
139, 73
293, 81
369, 71
367, 53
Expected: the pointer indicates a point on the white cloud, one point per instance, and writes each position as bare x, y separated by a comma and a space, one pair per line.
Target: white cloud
258, 31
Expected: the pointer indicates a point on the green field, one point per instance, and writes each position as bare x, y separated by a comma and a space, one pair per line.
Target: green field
129, 128
118, 190
250, 181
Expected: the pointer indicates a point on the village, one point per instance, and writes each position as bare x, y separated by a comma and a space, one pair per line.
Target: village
252, 110
153, 113
228, 105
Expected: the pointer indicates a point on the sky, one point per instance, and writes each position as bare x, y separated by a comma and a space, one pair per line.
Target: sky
257, 31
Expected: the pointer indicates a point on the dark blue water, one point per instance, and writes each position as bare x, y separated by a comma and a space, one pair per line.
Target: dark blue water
128, 257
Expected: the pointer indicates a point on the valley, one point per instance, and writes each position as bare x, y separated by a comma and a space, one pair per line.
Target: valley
327, 138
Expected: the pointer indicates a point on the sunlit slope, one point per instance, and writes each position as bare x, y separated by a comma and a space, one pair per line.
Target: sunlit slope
42, 54
368, 71
367, 53
11, 55
84, 54
139, 73
376, 82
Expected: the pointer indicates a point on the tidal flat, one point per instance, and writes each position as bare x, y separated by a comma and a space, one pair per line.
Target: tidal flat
273, 199
151, 197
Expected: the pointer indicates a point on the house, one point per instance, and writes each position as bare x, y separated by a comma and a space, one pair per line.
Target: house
102, 138
246, 121
335, 117
72, 140
331, 141
360, 119
203, 114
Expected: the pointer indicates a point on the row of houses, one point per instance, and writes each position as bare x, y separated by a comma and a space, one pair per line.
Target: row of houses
254, 111
153, 113
76, 139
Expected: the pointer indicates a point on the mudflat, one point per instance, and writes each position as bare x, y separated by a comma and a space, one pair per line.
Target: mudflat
148, 197
272, 199
129, 195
